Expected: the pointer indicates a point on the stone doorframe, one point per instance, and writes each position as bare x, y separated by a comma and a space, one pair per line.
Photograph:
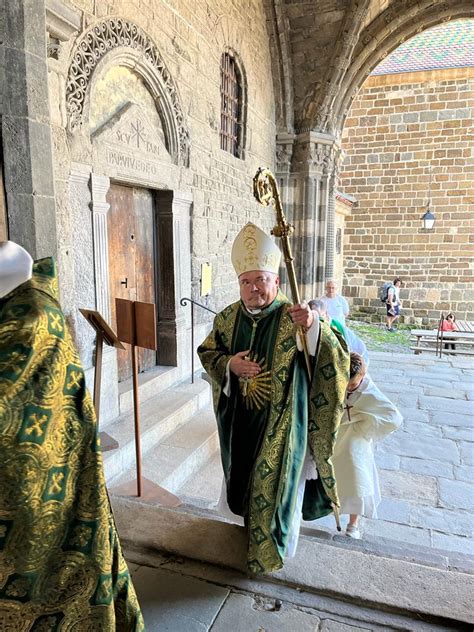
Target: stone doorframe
173, 277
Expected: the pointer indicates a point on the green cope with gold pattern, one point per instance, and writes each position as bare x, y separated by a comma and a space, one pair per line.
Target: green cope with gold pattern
267, 423
61, 565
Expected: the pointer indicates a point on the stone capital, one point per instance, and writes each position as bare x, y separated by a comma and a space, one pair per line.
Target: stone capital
316, 154
284, 152
80, 173
99, 187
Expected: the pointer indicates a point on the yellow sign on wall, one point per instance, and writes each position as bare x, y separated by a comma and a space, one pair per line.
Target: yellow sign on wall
206, 279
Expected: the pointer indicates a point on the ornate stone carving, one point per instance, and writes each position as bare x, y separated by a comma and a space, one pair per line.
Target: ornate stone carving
99, 40
53, 47
284, 153
320, 157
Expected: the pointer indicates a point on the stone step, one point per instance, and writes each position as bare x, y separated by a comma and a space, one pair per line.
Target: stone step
160, 416
320, 567
177, 458
204, 488
150, 384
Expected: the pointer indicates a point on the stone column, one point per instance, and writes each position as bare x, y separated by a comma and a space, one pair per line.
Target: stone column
99, 206
330, 230
26, 132
99, 273
286, 185
311, 171
334, 166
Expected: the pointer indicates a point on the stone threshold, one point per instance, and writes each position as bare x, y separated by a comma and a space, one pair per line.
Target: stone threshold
342, 615
348, 574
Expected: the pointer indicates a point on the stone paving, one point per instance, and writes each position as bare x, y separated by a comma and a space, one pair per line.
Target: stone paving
426, 467
180, 595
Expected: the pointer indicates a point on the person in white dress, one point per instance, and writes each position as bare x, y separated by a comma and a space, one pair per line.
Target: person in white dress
369, 416
354, 343
336, 305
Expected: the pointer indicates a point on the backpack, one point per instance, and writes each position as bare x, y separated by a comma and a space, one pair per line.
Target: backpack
383, 292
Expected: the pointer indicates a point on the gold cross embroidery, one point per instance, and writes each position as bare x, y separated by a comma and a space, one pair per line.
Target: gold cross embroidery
56, 322
36, 423
75, 377
56, 480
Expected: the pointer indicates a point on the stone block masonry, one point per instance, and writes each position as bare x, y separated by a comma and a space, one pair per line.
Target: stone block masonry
399, 127
190, 37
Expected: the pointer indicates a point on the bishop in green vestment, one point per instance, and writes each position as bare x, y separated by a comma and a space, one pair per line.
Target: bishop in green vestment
269, 416
61, 566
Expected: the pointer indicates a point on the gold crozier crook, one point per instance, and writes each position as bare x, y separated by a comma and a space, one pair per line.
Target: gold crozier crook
265, 190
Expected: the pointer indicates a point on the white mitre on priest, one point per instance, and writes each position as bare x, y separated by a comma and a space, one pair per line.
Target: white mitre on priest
16, 266
254, 250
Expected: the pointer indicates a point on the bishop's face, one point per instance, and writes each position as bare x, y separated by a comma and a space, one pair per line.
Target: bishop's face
258, 289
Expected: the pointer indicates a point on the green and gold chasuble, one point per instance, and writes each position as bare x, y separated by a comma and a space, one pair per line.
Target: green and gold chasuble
267, 422
61, 566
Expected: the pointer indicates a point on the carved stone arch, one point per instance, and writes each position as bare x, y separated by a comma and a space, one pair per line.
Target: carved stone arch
278, 27
383, 37
124, 43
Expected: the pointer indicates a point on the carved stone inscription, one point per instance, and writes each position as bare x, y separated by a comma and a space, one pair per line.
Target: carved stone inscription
130, 144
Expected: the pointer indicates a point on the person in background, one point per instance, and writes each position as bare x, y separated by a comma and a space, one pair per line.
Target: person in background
353, 341
369, 416
449, 324
393, 303
336, 305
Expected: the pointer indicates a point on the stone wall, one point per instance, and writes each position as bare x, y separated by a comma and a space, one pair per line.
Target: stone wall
190, 37
398, 128
134, 96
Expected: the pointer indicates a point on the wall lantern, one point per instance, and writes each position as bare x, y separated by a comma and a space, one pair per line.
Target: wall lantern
428, 219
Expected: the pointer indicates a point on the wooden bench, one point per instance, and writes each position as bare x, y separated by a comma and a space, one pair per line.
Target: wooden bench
428, 340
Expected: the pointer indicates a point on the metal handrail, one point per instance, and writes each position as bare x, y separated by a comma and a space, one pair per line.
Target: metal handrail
184, 301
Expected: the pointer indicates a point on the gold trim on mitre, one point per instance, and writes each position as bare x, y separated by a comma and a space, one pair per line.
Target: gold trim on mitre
254, 250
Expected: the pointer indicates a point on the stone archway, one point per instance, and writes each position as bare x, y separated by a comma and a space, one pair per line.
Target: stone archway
119, 42
380, 38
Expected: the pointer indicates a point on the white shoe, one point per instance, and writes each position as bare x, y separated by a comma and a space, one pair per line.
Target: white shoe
353, 532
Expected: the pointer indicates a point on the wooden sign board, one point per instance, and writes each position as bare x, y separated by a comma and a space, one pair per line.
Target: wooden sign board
125, 315
101, 327
145, 325
136, 323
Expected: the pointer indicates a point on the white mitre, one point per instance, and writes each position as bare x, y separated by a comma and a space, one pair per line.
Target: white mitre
16, 266
255, 250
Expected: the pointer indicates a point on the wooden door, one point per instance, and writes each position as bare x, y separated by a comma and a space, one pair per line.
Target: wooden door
130, 226
144, 261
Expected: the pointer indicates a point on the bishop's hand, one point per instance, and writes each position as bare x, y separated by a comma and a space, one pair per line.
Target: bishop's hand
242, 367
302, 315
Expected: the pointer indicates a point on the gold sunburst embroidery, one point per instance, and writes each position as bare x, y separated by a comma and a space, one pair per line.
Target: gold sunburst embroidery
256, 391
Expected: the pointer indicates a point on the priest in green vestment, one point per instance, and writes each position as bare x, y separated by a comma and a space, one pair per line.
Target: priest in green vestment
272, 421
61, 565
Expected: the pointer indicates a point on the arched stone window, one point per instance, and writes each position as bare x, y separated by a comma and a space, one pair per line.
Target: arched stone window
232, 132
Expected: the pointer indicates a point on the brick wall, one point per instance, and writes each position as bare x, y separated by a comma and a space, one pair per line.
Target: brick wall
397, 128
